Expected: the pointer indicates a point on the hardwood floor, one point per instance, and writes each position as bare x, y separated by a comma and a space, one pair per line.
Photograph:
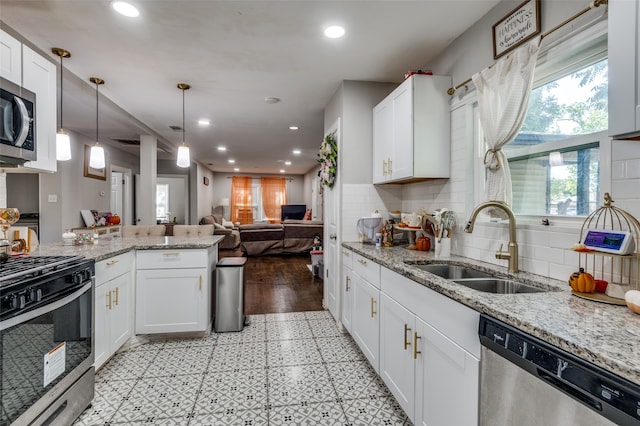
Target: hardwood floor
281, 283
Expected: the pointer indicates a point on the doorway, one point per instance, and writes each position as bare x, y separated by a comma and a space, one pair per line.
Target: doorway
121, 199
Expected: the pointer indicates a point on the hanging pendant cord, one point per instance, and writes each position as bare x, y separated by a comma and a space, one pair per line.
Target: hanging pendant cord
96, 112
61, 92
183, 131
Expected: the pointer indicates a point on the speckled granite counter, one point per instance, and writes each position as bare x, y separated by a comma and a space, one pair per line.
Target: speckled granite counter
109, 248
606, 335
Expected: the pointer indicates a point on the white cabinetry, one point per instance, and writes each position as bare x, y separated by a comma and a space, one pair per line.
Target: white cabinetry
347, 289
411, 131
10, 58
429, 351
173, 290
39, 76
366, 299
624, 68
113, 305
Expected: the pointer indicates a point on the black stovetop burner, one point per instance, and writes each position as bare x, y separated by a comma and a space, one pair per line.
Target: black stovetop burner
17, 267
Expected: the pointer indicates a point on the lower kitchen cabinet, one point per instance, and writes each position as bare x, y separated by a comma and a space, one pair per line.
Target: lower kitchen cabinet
365, 319
113, 306
347, 290
173, 290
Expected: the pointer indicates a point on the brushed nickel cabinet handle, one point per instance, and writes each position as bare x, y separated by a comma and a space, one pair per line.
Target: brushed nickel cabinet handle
362, 262
373, 308
113, 262
348, 279
407, 343
108, 300
117, 298
415, 345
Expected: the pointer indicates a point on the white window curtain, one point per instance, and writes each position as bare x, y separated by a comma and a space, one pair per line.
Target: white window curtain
503, 97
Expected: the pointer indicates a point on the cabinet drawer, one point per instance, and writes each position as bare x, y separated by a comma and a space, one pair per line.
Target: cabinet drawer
367, 269
347, 258
161, 259
108, 269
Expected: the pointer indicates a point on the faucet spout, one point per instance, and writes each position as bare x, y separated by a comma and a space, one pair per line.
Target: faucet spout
512, 254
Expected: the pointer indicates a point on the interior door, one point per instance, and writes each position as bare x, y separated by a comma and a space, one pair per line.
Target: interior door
332, 240
116, 193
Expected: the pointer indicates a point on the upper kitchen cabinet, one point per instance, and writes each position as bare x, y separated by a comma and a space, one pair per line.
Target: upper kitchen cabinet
411, 131
39, 76
624, 69
10, 58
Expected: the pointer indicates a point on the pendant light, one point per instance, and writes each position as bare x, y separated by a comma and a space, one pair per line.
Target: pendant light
96, 157
183, 150
63, 144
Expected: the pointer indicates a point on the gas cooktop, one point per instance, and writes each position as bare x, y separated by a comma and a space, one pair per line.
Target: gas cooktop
19, 267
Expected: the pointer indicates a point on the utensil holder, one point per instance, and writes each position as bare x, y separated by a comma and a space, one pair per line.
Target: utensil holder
443, 247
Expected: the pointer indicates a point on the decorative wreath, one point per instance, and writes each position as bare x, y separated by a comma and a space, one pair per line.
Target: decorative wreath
328, 159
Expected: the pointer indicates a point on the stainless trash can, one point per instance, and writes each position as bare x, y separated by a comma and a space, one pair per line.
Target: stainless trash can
229, 293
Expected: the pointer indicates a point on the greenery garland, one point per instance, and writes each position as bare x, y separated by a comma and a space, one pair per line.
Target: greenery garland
328, 159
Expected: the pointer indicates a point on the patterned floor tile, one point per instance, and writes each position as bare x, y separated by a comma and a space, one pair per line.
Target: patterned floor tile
288, 330
190, 343
288, 316
127, 365
318, 315
292, 352
356, 380
251, 333
232, 417
256, 318
245, 356
325, 328
180, 361
159, 397
323, 413
374, 412
243, 390
300, 384
339, 349
158, 421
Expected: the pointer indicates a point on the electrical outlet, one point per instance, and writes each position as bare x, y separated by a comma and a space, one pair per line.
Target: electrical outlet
102, 193
52, 198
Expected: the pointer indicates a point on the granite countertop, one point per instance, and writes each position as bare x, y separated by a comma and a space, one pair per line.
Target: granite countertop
107, 248
603, 334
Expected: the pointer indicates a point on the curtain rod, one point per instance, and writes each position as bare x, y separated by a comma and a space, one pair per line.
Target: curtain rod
258, 177
592, 5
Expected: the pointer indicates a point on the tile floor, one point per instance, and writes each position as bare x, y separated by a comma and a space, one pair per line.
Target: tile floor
283, 369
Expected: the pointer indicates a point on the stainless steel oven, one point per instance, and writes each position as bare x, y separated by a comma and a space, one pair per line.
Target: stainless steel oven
46, 338
17, 123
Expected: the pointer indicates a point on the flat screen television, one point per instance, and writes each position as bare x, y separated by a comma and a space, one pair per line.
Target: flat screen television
293, 211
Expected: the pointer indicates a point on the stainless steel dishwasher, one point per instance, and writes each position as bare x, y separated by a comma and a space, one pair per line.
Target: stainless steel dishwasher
525, 381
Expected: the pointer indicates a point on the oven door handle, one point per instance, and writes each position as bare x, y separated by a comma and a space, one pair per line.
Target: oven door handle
28, 316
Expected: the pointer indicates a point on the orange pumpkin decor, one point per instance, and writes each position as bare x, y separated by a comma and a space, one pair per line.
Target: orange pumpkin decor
115, 219
582, 282
423, 243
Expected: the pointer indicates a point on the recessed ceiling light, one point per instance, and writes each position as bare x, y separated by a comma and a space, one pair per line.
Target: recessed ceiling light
297, 151
287, 163
231, 161
222, 148
271, 100
204, 122
293, 127
281, 170
236, 169
334, 31
126, 9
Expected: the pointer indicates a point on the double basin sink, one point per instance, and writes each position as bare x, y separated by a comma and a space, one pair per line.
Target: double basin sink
476, 279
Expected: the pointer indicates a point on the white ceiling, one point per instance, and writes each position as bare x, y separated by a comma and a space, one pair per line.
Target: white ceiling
234, 54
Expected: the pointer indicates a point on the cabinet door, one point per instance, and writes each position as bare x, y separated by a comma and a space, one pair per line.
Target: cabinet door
402, 156
39, 76
624, 57
121, 314
382, 140
347, 298
447, 381
10, 58
397, 366
102, 312
366, 319
171, 300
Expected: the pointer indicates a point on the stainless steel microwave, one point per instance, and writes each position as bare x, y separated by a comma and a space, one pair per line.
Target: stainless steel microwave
17, 124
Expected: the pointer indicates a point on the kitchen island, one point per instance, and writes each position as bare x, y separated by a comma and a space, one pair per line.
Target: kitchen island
605, 335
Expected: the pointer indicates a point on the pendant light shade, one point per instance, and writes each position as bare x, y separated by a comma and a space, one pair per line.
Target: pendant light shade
184, 158
63, 144
96, 157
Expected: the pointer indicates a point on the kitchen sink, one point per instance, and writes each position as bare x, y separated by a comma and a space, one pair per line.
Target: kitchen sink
498, 285
452, 272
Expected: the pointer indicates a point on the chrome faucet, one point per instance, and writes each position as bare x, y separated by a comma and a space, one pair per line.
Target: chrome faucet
512, 254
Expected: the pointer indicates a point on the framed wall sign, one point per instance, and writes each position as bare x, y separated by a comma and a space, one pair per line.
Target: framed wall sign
206, 181
90, 171
520, 25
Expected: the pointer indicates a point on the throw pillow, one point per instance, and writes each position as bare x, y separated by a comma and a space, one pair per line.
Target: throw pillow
218, 226
227, 224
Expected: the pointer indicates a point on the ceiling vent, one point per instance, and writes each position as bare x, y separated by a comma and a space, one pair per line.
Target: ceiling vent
176, 128
128, 142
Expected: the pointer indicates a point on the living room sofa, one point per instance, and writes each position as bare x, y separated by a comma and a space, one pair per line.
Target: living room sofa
231, 234
292, 236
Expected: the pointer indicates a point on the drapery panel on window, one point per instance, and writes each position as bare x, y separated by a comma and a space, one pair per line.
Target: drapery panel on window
503, 98
241, 200
274, 195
